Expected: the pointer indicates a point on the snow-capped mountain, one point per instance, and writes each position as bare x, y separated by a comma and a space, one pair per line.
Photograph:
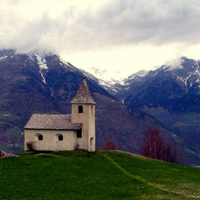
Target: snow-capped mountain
134, 77
106, 78
181, 78
113, 81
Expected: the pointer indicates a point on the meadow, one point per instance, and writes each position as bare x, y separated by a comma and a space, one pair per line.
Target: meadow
98, 175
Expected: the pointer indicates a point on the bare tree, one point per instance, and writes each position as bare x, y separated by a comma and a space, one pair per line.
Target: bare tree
153, 144
172, 153
155, 147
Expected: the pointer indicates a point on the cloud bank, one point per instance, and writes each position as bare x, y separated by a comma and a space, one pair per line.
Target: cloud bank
175, 63
72, 27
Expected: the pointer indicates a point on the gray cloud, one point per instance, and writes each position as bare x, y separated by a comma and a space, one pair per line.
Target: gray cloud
155, 22
119, 22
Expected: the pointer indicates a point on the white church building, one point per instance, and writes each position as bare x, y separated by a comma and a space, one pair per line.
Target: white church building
61, 132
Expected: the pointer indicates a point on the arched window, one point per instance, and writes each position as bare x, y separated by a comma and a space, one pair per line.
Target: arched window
60, 137
80, 109
92, 109
40, 137
79, 133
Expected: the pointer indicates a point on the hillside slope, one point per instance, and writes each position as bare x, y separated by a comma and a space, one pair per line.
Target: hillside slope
99, 175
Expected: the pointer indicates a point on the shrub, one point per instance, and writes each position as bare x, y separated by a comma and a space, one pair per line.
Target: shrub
76, 146
30, 145
110, 146
1, 153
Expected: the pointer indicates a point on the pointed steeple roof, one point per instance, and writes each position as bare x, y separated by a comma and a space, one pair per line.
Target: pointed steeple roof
83, 94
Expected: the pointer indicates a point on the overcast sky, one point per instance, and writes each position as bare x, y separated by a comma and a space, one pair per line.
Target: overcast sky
120, 35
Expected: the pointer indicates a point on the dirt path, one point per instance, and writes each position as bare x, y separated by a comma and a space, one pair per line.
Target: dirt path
139, 178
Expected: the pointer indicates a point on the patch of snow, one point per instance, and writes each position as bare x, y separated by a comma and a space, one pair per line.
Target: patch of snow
165, 67
52, 92
42, 65
103, 83
41, 62
190, 77
42, 75
63, 61
134, 77
114, 90
31, 57
197, 71
108, 76
184, 80
3, 57
67, 64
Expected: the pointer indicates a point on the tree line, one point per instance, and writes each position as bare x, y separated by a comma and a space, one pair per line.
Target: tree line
155, 147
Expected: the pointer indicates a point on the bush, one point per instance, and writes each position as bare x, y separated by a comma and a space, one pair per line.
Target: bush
1, 153
30, 145
110, 146
76, 147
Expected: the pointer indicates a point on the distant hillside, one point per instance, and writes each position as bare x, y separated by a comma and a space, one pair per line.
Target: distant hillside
99, 175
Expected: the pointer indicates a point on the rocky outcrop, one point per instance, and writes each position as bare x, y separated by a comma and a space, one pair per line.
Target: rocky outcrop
4, 154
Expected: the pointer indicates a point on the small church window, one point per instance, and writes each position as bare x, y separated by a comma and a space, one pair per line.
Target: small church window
80, 109
92, 109
40, 137
60, 137
79, 133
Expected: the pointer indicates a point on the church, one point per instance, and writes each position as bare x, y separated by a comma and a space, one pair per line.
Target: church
61, 132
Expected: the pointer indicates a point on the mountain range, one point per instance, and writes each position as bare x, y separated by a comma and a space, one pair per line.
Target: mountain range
172, 95
166, 98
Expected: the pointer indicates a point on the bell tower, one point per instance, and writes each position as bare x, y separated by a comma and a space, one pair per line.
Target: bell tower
83, 111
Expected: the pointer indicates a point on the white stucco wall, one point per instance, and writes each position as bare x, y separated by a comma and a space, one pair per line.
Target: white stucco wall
50, 140
87, 118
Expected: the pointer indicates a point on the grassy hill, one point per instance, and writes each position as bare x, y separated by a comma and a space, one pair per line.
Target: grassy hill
99, 175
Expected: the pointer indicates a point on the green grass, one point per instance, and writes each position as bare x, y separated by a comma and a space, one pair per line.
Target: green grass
54, 112
7, 115
14, 132
2, 101
191, 118
99, 175
7, 147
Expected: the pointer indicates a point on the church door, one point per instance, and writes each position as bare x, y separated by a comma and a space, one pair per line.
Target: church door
92, 144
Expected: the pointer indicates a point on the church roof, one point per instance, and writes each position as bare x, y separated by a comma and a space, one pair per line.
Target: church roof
83, 94
52, 121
